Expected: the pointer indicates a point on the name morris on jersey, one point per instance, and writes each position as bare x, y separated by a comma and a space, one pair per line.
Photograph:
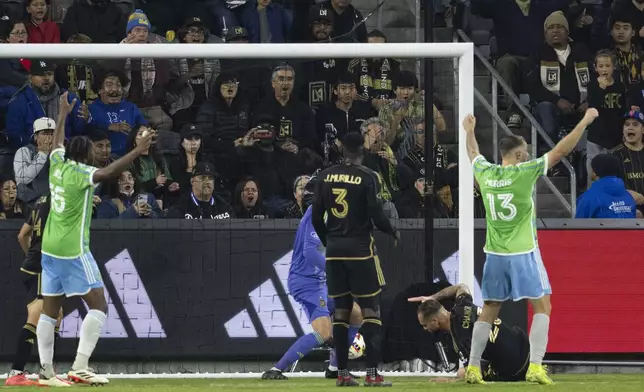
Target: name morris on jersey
498, 183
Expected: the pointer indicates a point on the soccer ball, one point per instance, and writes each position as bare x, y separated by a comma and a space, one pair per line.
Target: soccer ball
357, 347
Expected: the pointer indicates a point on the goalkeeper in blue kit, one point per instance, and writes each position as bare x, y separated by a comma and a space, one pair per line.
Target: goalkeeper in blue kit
307, 284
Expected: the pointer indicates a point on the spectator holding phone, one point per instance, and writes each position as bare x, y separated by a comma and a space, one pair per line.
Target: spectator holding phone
631, 155
127, 202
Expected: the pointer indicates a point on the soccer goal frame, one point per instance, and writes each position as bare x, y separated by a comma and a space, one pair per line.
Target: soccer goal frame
464, 52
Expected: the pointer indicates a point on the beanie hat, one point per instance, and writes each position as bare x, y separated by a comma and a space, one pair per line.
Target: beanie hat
556, 18
138, 19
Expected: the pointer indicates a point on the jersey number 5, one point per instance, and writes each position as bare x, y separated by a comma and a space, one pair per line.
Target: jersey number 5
340, 195
57, 198
506, 205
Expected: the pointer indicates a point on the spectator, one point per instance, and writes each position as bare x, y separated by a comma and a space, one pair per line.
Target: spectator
336, 119
100, 20
581, 18
10, 207
39, 98
631, 156
348, 22
128, 202
607, 197
628, 65
266, 22
155, 84
559, 78
518, 28
410, 204
375, 75
316, 77
113, 112
295, 118
247, 200
41, 31
77, 76
296, 211
202, 203
183, 165
200, 73
151, 169
102, 156
31, 163
224, 118
635, 11
13, 72
274, 169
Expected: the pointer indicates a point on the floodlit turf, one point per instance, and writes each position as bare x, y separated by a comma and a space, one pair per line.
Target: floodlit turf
566, 383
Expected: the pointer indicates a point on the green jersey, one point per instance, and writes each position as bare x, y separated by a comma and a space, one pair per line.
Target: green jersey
509, 208
71, 186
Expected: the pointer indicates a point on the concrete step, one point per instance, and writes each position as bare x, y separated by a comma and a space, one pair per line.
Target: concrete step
408, 33
546, 201
391, 18
367, 6
561, 183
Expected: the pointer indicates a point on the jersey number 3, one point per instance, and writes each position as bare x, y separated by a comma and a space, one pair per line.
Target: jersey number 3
340, 195
57, 198
509, 210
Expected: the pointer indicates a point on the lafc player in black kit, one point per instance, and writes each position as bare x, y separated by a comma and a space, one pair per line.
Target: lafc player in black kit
508, 350
30, 238
348, 196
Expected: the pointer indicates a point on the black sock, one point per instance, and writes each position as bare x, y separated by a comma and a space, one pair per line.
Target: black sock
371, 330
26, 342
341, 341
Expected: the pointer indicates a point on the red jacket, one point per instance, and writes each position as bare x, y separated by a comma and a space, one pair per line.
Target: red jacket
45, 33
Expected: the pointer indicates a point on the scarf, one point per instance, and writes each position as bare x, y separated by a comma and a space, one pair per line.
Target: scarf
148, 75
211, 69
90, 94
524, 6
627, 63
49, 102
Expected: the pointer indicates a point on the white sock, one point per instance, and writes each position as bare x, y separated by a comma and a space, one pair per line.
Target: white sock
333, 368
89, 334
45, 336
539, 337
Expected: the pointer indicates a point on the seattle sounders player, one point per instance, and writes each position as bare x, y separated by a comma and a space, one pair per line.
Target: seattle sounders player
513, 268
68, 267
307, 284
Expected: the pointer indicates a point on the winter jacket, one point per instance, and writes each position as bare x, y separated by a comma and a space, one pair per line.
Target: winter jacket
123, 208
103, 115
104, 24
293, 121
278, 21
12, 73
344, 122
607, 198
45, 33
345, 22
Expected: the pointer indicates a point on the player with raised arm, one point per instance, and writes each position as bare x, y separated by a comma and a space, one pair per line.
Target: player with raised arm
307, 284
68, 267
508, 348
349, 195
513, 267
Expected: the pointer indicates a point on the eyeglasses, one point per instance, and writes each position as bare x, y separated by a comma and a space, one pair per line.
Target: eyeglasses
21, 33
196, 32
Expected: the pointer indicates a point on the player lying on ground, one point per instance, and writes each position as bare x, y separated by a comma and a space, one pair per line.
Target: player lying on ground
508, 350
30, 239
307, 284
513, 267
68, 267
349, 195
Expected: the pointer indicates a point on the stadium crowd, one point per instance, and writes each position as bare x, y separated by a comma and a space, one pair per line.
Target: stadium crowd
235, 138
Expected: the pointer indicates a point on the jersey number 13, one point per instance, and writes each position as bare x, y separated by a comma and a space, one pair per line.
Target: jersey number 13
509, 210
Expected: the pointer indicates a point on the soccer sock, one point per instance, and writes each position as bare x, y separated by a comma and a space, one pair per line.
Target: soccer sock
26, 342
371, 329
45, 335
341, 338
333, 359
89, 334
539, 337
299, 349
480, 335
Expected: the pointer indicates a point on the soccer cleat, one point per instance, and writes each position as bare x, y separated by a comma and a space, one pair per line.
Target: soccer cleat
473, 375
20, 380
347, 381
55, 382
331, 374
86, 376
273, 374
377, 381
538, 374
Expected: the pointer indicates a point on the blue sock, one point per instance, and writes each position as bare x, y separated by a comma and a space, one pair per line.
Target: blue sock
299, 349
333, 360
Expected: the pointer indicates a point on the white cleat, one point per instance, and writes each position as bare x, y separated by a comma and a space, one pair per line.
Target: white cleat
86, 376
55, 382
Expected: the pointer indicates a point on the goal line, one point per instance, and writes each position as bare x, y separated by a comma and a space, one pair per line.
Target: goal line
256, 376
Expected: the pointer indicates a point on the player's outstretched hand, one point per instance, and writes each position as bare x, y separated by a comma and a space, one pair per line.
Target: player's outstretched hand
590, 116
144, 144
469, 123
419, 299
66, 107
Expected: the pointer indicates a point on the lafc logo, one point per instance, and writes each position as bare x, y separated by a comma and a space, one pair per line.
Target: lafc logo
323, 12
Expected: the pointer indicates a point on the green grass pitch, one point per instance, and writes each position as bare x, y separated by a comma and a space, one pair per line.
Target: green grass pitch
565, 383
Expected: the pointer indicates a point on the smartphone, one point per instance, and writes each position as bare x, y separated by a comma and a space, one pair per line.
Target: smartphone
142, 199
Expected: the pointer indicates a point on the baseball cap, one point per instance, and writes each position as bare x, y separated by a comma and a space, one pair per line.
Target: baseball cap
635, 115
44, 123
39, 67
190, 130
236, 32
204, 169
194, 21
320, 12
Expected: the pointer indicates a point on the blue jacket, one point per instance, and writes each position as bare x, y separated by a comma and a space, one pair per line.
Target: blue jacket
278, 21
102, 116
6, 92
25, 108
607, 198
108, 209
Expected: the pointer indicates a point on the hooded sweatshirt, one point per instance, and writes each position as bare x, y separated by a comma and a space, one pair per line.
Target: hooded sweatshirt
606, 198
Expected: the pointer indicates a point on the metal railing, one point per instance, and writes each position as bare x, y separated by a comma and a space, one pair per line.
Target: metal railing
536, 128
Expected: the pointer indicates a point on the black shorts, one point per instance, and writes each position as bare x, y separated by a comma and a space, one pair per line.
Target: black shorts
33, 285
360, 278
